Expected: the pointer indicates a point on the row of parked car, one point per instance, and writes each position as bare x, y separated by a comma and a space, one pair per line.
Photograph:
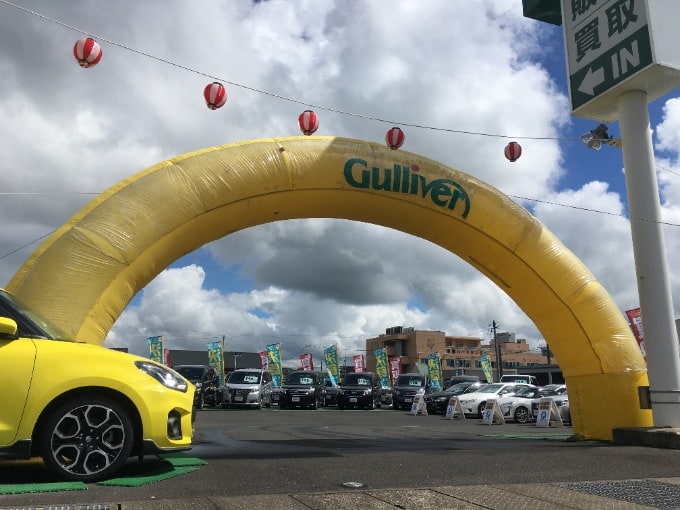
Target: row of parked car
518, 401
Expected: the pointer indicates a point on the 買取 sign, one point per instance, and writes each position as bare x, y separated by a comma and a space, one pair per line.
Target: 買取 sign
617, 45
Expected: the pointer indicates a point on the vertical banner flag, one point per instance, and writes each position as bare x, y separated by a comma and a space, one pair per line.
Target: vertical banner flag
216, 359
274, 352
381, 367
155, 348
485, 363
166, 357
395, 368
330, 354
306, 361
434, 368
264, 360
635, 319
359, 363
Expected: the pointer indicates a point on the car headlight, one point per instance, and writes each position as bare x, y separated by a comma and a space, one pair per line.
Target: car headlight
310, 391
466, 400
198, 385
396, 392
438, 399
163, 375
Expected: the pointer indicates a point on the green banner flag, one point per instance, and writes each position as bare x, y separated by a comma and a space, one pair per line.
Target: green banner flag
330, 354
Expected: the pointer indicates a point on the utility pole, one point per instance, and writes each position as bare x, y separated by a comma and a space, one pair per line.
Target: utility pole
499, 360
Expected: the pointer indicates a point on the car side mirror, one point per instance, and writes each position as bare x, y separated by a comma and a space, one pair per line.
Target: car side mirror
8, 328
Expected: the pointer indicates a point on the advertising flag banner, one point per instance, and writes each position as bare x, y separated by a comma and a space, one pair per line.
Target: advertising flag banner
166, 357
381, 367
274, 353
330, 354
635, 319
395, 368
306, 361
155, 348
485, 363
216, 359
264, 360
359, 363
434, 368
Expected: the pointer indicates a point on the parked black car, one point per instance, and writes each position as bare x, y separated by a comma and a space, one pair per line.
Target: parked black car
207, 384
330, 394
303, 389
360, 390
406, 388
437, 402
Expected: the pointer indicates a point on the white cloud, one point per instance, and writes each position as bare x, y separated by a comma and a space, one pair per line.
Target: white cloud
478, 69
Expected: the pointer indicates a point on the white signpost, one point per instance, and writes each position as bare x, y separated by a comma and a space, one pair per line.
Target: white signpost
622, 54
618, 45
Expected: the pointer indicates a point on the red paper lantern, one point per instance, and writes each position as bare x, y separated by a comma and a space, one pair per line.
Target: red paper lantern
215, 95
308, 122
87, 52
395, 138
513, 151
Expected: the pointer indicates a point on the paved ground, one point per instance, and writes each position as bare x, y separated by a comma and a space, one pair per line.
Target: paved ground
385, 459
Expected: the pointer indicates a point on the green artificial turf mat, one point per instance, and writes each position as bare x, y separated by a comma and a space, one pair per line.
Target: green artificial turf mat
153, 475
24, 488
182, 459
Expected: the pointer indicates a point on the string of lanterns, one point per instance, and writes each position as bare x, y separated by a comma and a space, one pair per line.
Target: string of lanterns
88, 53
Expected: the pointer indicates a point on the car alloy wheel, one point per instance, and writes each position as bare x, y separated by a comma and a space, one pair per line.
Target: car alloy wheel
521, 415
480, 409
86, 439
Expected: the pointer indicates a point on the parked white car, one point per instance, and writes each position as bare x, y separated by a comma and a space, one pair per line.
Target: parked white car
474, 403
562, 404
518, 407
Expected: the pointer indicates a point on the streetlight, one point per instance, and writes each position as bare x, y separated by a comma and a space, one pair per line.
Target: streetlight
594, 138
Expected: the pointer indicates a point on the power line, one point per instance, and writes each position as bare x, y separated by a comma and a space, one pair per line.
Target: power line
273, 94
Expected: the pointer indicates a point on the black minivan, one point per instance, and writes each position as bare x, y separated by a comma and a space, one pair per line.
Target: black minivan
361, 390
303, 389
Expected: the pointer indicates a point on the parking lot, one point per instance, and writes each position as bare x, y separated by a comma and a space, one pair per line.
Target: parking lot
274, 452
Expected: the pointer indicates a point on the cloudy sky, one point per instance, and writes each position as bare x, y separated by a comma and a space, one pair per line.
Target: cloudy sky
472, 74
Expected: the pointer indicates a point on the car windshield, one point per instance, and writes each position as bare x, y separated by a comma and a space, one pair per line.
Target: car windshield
29, 323
194, 374
530, 392
491, 388
458, 388
244, 378
357, 380
300, 378
416, 382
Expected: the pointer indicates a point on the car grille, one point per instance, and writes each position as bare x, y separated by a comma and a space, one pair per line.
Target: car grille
297, 393
354, 393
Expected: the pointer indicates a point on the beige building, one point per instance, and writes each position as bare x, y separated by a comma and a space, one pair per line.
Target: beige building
459, 354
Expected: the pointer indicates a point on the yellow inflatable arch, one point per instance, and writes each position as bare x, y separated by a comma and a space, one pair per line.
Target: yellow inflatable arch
85, 274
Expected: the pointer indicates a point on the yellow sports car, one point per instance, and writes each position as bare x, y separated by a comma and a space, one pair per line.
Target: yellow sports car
83, 408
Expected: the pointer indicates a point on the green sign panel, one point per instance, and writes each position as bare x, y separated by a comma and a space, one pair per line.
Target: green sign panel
612, 67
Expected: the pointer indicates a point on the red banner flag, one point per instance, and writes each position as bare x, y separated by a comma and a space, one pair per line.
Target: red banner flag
635, 319
306, 361
264, 360
395, 368
359, 363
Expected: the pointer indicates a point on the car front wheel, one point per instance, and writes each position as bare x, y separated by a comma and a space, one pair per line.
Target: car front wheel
86, 439
521, 415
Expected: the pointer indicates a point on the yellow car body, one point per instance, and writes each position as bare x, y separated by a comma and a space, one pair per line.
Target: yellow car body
84, 408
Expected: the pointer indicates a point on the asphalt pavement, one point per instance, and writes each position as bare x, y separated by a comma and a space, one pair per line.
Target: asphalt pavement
384, 459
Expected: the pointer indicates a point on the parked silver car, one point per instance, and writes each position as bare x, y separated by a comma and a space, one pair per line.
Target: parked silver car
248, 387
